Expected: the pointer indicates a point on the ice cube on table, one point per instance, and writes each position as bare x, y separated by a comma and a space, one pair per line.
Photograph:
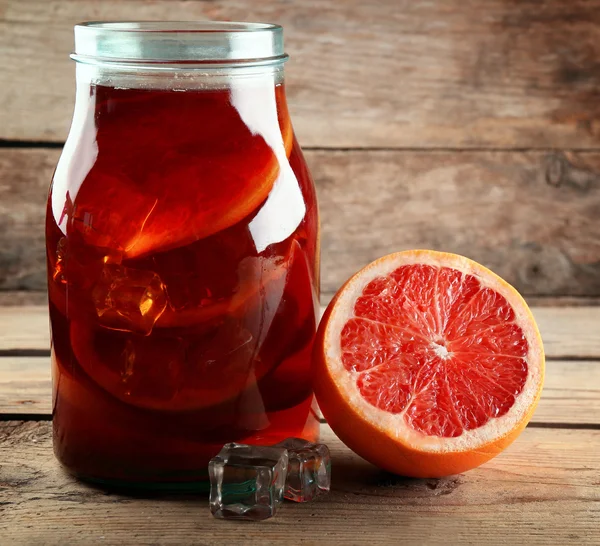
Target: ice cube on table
247, 482
129, 299
309, 469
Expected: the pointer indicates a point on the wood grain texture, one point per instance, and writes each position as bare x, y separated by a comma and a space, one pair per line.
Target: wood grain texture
543, 490
24, 180
571, 391
24, 327
533, 301
40, 297
532, 217
567, 332
447, 73
25, 385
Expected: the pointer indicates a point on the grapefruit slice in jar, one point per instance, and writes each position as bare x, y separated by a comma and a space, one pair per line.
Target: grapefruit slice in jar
165, 180
216, 362
427, 364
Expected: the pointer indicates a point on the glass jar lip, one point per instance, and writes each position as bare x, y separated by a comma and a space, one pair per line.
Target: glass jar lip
221, 43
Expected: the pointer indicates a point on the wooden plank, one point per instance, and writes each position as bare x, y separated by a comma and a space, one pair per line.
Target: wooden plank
571, 392
24, 327
25, 385
530, 216
419, 74
567, 332
40, 297
24, 179
544, 489
554, 301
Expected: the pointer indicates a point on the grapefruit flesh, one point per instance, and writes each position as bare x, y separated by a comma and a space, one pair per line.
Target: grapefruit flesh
427, 363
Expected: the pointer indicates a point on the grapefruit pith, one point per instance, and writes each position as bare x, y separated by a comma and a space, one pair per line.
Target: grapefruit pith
427, 363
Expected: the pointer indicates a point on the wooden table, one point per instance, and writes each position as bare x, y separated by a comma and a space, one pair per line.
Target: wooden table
544, 489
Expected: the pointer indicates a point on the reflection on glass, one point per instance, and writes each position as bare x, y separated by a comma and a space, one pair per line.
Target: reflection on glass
183, 278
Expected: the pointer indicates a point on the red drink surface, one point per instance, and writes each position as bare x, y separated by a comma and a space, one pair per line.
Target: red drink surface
182, 240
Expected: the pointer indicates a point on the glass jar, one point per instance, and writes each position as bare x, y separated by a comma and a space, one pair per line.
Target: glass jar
183, 254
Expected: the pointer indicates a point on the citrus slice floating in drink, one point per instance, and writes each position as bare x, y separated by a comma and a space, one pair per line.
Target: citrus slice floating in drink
182, 178
233, 346
427, 364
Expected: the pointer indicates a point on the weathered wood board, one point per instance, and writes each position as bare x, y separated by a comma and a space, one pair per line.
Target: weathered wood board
569, 333
25, 385
543, 490
426, 124
530, 216
24, 328
447, 73
571, 391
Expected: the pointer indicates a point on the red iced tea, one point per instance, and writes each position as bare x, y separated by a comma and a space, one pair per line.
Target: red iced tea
182, 238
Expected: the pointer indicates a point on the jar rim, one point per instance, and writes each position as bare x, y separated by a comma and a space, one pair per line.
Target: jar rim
190, 42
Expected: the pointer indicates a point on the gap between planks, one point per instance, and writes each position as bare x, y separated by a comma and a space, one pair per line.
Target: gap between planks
49, 144
28, 417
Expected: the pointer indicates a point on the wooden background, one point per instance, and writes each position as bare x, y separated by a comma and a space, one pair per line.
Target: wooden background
470, 126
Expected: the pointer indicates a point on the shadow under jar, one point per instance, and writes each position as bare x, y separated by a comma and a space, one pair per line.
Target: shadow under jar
183, 254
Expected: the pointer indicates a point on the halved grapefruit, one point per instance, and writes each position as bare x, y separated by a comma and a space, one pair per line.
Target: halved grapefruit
427, 363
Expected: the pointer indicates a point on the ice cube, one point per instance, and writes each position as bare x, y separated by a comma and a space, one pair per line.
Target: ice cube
247, 482
309, 469
58, 274
129, 299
